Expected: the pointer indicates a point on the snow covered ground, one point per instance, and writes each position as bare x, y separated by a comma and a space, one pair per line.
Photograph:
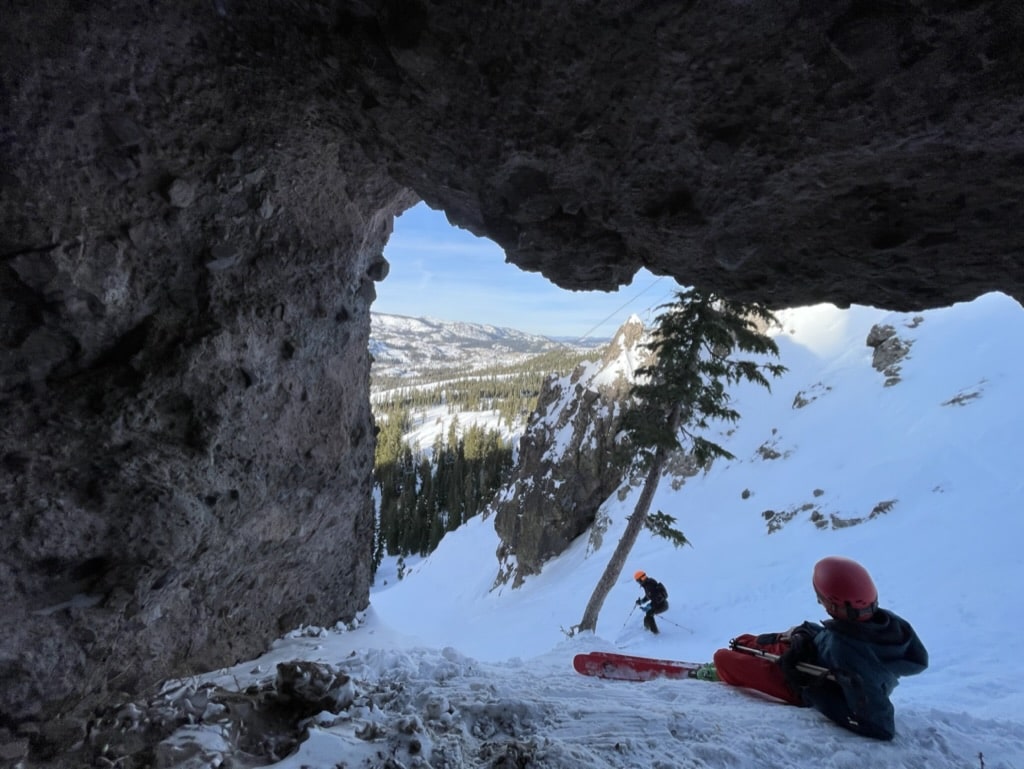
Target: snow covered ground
428, 423
444, 671
409, 347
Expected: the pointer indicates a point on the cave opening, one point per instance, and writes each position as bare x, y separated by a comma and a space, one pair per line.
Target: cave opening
443, 272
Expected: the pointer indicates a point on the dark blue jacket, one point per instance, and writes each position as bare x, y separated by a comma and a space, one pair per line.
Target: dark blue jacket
656, 594
867, 659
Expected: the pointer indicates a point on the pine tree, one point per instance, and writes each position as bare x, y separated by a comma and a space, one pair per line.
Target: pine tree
425, 509
455, 500
407, 503
675, 398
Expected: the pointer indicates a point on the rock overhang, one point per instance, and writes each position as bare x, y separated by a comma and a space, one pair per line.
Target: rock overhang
793, 153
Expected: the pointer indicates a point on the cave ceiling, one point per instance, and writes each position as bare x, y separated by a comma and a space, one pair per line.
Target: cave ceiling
854, 152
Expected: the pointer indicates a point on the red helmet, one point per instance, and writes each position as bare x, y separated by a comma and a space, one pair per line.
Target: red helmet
640, 575
845, 589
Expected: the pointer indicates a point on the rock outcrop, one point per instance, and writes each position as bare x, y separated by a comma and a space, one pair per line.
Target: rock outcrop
889, 351
568, 464
193, 201
789, 152
187, 270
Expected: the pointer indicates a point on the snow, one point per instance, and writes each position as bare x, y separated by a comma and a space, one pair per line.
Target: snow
432, 421
448, 670
410, 347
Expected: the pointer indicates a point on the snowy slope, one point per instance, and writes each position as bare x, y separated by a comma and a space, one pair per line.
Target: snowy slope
447, 672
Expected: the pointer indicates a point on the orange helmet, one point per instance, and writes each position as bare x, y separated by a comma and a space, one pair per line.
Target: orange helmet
845, 588
640, 575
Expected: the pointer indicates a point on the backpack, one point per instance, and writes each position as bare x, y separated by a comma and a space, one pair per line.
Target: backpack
658, 594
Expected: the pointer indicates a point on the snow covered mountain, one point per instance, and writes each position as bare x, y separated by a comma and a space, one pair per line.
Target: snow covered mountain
893, 439
402, 346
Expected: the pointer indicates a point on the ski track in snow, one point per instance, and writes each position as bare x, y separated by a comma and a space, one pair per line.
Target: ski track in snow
440, 708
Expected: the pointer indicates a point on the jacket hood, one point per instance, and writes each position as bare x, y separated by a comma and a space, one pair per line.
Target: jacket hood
886, 630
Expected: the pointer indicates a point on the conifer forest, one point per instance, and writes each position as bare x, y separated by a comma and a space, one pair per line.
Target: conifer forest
423, 492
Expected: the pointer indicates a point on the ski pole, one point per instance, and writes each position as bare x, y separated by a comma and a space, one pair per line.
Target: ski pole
629, 615
666, 619
803, 667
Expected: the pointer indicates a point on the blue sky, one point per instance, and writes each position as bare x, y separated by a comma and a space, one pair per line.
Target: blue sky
444, 272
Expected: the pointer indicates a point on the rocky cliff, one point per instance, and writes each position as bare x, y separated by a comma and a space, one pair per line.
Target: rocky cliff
193, 201
568, 463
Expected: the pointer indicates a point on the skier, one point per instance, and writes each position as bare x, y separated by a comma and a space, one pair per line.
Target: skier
865, 649
653, 601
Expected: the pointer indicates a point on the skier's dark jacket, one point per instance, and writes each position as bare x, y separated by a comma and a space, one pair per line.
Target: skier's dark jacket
867, 659
656, 594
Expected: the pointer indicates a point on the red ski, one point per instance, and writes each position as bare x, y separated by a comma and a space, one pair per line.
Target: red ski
622, 667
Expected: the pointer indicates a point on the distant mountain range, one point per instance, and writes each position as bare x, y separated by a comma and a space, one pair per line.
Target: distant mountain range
408, 347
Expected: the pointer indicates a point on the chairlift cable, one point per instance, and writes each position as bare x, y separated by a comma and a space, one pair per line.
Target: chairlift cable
620, 308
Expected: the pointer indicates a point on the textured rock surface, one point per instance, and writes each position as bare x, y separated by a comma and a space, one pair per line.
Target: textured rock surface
193, 200
793, 152
567, 462
188, 266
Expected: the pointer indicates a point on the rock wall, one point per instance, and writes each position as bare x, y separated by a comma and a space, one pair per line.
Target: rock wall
188, 263
789, 152
568, 463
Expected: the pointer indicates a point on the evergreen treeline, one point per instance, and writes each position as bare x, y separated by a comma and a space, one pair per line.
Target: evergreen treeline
425, 494
513, 396
471, 386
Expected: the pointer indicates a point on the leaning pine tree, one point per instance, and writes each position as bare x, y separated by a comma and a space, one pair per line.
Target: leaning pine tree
677, 396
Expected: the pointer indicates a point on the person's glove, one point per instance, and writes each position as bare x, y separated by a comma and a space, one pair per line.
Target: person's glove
801, 649
638, 601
